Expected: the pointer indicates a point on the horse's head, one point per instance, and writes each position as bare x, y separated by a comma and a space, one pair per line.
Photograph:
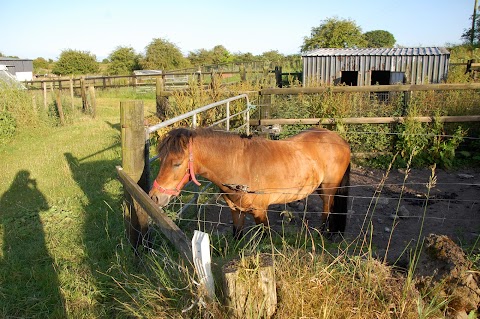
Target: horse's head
176, 168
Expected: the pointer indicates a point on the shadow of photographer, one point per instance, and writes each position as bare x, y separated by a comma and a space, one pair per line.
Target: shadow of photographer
28, 280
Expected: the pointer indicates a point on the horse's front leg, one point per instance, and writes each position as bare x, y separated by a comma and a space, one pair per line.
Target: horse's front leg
238, 223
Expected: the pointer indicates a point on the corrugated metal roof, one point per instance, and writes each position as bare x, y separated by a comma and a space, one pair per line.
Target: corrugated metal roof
425, 51
4, 58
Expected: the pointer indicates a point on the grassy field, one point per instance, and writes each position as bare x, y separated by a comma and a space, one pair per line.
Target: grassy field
60, 222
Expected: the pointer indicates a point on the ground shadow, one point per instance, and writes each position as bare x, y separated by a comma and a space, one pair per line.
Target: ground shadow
103, 223
28, 281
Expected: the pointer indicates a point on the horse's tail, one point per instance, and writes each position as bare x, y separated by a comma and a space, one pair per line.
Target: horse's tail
338, 217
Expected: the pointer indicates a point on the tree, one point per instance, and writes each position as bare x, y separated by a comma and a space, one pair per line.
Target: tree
218, 55
379, 39
274, 57
40, 64
76, 62
163, 55
123, 61
334, 33
243, 57
467, 34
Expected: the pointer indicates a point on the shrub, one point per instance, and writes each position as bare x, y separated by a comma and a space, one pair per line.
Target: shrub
8, 126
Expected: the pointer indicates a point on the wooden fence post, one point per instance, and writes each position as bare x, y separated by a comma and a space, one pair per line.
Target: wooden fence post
44, 85
278, 76
71, 91
59, 106
243, 73
249, 287
199, 77
133, 163
265, 106
93, 100
83, 93
162, 99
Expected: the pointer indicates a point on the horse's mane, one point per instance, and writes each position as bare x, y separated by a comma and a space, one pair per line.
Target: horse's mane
176, 140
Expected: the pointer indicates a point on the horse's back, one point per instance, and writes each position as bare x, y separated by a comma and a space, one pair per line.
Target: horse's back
319, 135
327, 148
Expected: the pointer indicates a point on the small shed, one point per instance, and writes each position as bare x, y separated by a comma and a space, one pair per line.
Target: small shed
371, 66
22, 69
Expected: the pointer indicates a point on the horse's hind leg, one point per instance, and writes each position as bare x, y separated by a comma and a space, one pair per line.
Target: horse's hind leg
327, 192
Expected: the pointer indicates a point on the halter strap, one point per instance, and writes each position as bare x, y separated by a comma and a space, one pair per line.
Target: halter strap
189, 176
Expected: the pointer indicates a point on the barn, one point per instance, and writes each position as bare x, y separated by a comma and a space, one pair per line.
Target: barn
22, 69
371, 66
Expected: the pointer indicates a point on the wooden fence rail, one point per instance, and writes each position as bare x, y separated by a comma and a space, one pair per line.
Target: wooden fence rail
371, 88
168, 228
366, 120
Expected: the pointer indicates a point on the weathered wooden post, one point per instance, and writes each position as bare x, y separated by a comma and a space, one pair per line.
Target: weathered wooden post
199, 77
214, 83
133, 163
162, 99
44, 86
71, 91
243, 73
59, 106
249, 287
83, 93
93, 100
265, 106
278, 76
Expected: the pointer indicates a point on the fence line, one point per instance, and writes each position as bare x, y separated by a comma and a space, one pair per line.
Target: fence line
371, 88
367, 120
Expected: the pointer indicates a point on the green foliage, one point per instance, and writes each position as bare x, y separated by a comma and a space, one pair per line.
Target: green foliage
379, 39
163, 55
8, 126
40, 64
18, 103
335, 33
428, 143
123, 61
76, 62
218, 55
467, 33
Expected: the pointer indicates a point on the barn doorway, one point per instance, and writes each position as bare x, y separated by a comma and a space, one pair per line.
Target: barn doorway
380, 78
349, 78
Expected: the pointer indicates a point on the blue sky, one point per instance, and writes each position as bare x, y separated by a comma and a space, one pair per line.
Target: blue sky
32, 29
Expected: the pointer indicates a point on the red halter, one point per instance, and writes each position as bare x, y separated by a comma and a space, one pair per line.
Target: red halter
189, 175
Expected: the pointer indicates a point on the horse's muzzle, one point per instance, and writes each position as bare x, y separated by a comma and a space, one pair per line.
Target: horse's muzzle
160, 199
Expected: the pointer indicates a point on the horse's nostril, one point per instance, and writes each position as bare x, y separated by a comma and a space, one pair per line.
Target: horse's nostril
160, 199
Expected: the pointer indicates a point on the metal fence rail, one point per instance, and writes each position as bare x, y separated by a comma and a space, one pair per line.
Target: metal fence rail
193, 115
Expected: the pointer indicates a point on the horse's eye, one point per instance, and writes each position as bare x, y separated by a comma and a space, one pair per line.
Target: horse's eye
177, 164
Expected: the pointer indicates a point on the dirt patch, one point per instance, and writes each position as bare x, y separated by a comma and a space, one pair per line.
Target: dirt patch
444, 268
403, 207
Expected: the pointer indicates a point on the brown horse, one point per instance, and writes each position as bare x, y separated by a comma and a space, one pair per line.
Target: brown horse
254, 172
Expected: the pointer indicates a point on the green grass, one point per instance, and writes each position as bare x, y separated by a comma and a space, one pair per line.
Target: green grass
60, 217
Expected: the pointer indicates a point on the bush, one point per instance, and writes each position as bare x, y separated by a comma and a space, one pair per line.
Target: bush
8, 126
76, 62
